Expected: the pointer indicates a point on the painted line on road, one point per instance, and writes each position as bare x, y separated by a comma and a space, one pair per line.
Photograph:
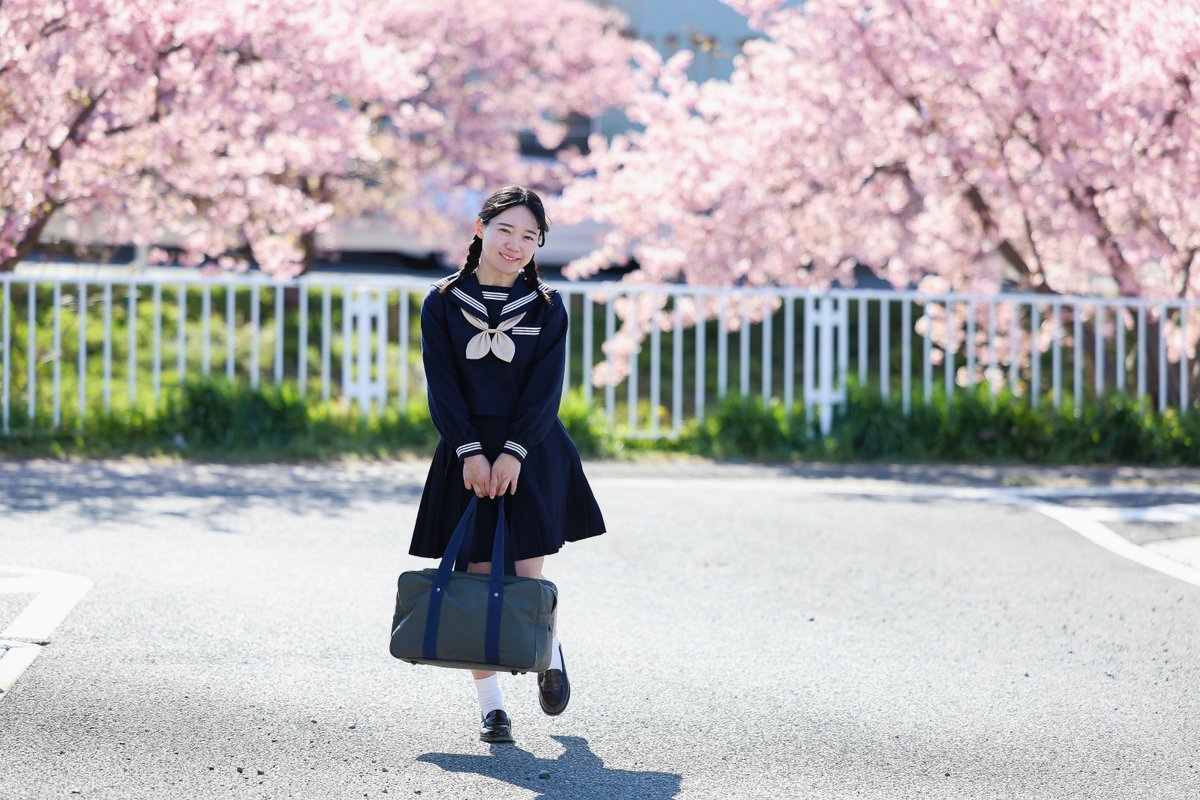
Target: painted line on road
1082, 521
1171, 513
1086, 525
1185, 549
55, 594
15, 658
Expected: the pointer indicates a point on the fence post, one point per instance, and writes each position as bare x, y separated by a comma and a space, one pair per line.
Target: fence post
31, 353
810, 383
57, 349
824, 348
5, 380
906, 355
404, 347
827, 322
365, 381
81, 311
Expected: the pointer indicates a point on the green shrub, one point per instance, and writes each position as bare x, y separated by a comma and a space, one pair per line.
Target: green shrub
587, 426
872, 429
217, 418
975, 427
218, 414
743, 428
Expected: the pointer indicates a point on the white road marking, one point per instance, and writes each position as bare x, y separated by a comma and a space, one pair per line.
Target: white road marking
1169, 514
55, 594
1082, 521
1173, 560
1185, 550
15, 658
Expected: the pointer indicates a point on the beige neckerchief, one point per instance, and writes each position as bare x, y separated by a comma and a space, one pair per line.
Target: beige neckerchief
493, 340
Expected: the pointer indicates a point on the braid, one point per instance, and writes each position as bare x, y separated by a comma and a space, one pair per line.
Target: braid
469, 267
473, 254
533, 278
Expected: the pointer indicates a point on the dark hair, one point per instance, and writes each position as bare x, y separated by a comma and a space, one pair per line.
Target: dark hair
499, 202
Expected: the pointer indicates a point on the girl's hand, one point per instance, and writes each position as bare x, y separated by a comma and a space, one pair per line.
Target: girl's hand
505, 472
477, 475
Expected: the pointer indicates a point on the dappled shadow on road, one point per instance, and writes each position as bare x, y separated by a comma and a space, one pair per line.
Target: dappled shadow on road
577, 774
115, 491
99, 492
956, 475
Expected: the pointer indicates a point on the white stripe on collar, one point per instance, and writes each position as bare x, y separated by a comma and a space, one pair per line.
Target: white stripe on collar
466, 298
515, 304
494, 295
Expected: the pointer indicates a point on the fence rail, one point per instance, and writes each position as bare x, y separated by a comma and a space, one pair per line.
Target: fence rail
72, 346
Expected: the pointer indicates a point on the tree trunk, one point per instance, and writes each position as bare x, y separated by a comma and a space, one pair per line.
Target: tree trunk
32, 238
308, 242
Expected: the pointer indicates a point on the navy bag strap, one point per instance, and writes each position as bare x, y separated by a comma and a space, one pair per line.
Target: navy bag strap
458, 551
491, 636
458, 546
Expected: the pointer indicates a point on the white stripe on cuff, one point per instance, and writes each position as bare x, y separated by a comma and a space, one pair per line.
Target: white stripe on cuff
469, 447
516, 448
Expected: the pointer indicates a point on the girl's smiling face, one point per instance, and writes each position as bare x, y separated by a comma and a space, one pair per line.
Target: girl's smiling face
509, 239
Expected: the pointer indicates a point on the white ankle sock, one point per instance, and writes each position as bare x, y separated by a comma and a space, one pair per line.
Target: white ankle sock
490, 697
555, 654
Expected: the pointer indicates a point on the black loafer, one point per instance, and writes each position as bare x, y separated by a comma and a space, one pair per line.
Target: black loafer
497, 729
554, 689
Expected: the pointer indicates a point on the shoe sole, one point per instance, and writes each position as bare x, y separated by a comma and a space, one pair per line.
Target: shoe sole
566, 694
497, 739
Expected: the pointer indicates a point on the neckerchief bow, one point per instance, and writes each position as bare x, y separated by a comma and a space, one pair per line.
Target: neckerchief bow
494, 340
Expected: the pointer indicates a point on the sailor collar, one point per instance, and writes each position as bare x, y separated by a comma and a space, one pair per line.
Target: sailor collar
467, 294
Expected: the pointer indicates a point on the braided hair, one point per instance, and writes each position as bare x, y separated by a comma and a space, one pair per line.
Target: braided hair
499, 202
534, 279
472, 262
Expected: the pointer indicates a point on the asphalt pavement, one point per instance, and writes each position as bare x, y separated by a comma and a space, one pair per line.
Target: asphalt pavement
740, 632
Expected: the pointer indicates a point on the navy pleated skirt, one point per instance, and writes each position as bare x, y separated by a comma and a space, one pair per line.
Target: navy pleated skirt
553, 504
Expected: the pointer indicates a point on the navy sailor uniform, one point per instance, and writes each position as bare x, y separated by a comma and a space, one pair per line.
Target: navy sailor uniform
494, 360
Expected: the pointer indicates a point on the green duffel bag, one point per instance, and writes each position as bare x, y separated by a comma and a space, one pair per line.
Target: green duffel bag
449, 617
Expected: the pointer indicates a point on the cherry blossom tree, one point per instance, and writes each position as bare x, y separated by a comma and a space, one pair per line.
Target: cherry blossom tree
241, 128
1048, 147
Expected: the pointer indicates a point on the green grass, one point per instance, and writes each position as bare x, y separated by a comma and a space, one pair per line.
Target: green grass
215, 418
974, 428
291, 420
104, 382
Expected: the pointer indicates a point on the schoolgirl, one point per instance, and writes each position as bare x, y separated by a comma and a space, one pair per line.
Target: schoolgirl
493, 343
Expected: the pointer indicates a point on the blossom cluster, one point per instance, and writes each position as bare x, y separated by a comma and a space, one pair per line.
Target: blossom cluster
952, 146
241, 128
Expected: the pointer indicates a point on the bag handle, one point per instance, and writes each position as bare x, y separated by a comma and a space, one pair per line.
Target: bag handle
491, 634
458, 550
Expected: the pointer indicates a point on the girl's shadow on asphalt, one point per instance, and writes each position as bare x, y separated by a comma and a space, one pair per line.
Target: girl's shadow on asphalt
576, 774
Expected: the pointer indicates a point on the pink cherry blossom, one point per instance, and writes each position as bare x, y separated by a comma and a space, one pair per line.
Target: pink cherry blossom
237, 127
1048, 147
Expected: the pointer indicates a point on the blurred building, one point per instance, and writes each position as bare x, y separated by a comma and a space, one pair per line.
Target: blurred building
713, 31
710, 29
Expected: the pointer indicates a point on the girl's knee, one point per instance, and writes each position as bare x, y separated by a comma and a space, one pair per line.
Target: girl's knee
526, 567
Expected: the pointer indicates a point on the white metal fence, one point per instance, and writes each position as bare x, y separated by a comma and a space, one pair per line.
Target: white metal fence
104, 344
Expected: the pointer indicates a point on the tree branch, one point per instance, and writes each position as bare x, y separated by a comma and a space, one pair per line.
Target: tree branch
1189, 261
974, 197
77, 124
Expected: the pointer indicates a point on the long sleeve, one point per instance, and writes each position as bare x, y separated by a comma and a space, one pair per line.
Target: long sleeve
537, 408
447, 406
